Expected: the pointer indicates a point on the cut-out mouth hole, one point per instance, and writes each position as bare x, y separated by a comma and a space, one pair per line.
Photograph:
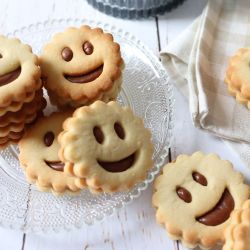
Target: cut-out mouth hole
220, 213
56, 165
85, 78
10, 77
118, 166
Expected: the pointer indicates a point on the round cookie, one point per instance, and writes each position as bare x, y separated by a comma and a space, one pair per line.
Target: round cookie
194, 197
107, 145
39, 155
19, 71
237, 235
81, 65
238, 76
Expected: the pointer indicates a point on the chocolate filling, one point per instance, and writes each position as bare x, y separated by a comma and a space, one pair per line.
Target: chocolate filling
200, 178
118, 166
56, 165
10, 77
84, 78
220, 213
184, 194
88, 48
48, 138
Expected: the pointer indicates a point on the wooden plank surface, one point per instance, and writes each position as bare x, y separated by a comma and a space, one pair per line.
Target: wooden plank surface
133, 227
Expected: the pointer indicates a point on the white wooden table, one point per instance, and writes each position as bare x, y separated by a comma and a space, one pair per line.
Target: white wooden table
134, 226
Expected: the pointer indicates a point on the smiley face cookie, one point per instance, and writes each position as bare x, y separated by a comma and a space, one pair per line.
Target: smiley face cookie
107, 145
81, 65
195, 196
39, 155
19, 71
237, 235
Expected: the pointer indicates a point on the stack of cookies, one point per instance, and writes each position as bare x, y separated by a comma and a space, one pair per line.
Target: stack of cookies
80, 66
21, 96
103, 146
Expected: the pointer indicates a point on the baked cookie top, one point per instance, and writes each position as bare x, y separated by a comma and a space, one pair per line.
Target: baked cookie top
237, 235
108, 145
19, 70
238, 76
39, 155
194, 197
81, 63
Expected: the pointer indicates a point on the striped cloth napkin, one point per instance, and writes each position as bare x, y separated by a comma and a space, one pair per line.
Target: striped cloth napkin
196, 63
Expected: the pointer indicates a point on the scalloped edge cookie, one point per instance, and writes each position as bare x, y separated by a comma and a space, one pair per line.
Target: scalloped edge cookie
19, 126
27, 110
88, 170
237, 235
238, 76
189, 231
106, 86
45, 178
29, 78
16, 106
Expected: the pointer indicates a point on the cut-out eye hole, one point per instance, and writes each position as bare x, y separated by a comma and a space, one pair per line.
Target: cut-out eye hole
184, 194
201, 179
1, 56
99, 136
67, 54
88, 48
48, 138
119, 130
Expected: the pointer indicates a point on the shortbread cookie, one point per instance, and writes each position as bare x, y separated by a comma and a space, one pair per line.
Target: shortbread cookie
107, 145
237, 235
238, 76
19, 126
11, 136
81, 65
19, 71
39, 155
194, 197
13, 132
62, 102
27, 110
16, 106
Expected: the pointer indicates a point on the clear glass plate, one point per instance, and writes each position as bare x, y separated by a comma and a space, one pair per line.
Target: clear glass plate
145, 89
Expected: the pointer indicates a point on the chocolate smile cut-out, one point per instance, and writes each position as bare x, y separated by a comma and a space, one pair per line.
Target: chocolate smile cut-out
118, 166
10, 77
220, 213
56, 165
85, 78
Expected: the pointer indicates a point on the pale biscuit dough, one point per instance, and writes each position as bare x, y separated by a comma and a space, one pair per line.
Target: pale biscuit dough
34, 154
16, 106
105, 52
13, 56
238, 76
188, 193
98, 139
27, 110
237, 235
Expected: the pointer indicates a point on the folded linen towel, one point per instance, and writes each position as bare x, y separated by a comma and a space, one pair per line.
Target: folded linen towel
196, 63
